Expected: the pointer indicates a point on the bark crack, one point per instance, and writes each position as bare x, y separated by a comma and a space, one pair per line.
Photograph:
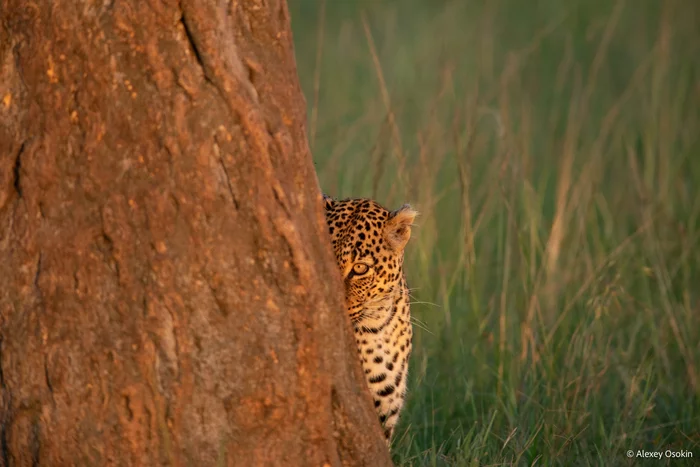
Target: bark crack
127, 406
176, 344
47, 377
195, 50
16, 170
196, 37
18, 66
38, 273
280, 197
220, 305
228, 183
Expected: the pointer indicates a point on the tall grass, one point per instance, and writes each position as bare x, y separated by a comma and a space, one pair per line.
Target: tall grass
553, 150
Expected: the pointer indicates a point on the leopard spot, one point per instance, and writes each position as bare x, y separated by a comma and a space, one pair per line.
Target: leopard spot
377, 378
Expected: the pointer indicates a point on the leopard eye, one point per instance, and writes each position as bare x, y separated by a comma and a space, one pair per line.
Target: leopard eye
360, 268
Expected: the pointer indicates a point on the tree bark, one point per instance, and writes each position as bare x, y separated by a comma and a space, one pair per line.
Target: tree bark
167, 290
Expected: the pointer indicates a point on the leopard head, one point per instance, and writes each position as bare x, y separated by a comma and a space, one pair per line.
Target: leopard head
368, 241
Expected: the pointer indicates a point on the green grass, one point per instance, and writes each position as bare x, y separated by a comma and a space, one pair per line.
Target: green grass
553, 150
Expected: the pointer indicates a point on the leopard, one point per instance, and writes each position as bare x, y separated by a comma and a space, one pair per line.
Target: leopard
369, 241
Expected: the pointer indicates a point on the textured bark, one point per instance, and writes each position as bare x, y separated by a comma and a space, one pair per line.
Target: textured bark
167, 291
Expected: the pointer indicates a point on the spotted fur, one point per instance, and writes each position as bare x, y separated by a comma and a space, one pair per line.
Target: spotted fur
369, 243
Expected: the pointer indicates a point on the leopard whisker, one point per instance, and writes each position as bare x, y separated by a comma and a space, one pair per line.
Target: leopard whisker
421, 325
418, 302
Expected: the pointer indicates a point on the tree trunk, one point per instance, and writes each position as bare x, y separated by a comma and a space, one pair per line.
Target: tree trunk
167, 290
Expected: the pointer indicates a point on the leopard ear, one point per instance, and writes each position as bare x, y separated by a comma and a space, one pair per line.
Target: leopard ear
397, 230
328, 202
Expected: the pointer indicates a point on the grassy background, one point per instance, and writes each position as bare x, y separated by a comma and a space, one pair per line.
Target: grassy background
553, 149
